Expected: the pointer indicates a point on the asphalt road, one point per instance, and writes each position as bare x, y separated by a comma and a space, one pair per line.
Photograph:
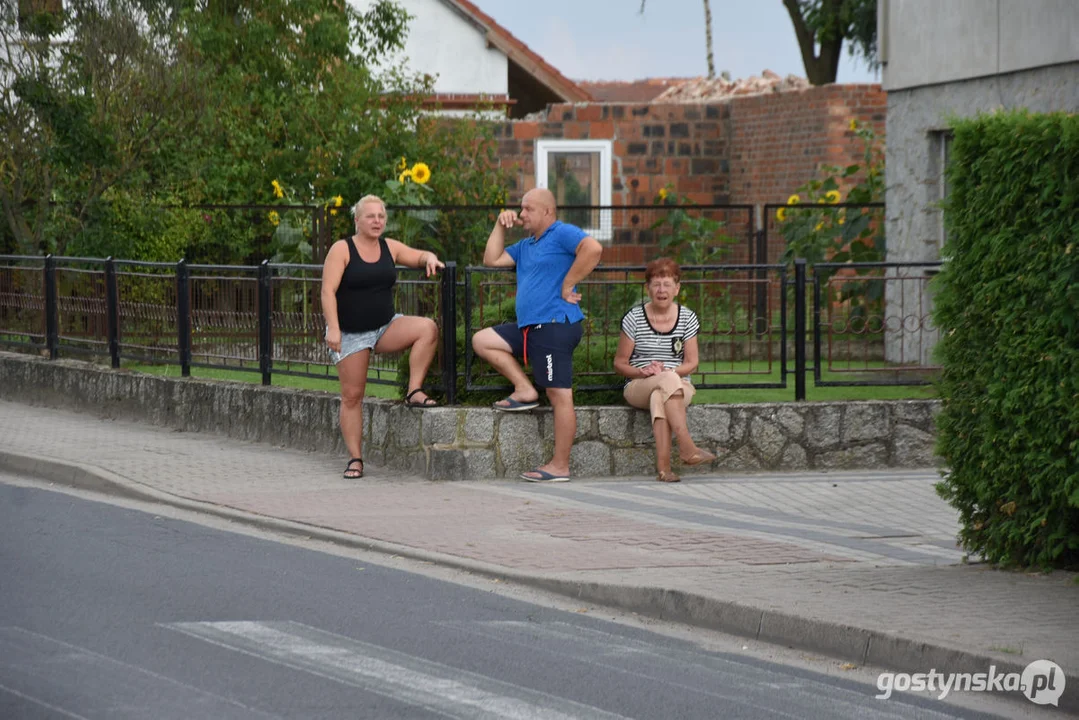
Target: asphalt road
114, 613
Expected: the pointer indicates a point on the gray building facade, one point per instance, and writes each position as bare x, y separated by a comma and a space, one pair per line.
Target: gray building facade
942, 59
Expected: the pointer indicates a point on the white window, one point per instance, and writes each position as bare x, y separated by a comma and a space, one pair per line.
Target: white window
578, 172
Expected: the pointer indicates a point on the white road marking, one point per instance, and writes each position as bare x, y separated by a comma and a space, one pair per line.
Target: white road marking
104, 687
404, 678
42, 703
703, 673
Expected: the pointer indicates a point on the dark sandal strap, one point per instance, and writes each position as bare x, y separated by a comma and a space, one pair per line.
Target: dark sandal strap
426, 402
353, 461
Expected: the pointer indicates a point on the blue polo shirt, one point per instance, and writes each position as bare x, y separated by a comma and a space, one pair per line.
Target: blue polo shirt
542, 264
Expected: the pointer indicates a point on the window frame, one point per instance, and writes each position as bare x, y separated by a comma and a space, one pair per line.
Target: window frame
545, 146
940, 151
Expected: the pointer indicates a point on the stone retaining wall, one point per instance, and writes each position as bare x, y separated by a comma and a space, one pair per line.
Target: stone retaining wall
457, 443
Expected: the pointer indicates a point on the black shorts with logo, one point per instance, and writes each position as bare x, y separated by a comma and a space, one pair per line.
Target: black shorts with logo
548, 347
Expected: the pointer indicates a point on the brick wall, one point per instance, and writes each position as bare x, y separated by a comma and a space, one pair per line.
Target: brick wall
780, 141
745, 150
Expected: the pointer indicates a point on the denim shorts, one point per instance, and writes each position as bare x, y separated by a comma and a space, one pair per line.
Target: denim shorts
352, 343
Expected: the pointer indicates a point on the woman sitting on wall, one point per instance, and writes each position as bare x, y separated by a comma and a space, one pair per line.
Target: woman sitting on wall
357, 302
657, 351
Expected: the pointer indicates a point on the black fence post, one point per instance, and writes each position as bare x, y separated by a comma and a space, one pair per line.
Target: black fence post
800, 329
183, 316
52, 311
816, 328
761, 258
449, 332
265, 329
112, 311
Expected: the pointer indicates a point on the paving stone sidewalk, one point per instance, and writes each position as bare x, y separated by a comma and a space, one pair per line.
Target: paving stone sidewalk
863, 565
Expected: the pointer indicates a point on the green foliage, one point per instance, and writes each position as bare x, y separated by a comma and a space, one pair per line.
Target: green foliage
852, 20
82, 115
822, 26
1007, 304
686, 234
171, 102
820, 233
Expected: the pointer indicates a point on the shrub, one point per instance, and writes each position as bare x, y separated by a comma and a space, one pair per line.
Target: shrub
1007, 305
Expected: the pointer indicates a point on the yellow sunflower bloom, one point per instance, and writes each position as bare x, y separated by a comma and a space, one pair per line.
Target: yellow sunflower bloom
337, 200
403, 165
781, 215
833, 196
278, 191
853, 124
406, 175
421, 173
793, 200
819, 227
663, 193
274, 218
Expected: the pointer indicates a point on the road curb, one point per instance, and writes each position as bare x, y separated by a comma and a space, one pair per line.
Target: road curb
844, 642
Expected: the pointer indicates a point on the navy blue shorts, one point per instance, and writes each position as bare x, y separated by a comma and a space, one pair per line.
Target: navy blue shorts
547, 347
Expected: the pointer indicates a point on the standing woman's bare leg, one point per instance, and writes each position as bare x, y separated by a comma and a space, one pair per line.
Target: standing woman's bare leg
420, 336
352, 372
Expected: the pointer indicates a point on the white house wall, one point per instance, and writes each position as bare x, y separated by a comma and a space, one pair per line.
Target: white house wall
957, 59
449, 46
927, 42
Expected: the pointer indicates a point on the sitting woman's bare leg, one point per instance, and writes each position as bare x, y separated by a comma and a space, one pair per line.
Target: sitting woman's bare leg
676, 416
662, 431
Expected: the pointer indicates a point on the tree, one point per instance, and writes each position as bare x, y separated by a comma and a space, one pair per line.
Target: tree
707, 36
821, 26
90, 93
110, 109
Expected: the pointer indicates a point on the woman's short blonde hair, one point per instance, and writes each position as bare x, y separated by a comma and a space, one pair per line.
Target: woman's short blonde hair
364, 201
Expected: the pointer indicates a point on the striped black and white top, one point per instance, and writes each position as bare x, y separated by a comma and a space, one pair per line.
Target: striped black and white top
649, 344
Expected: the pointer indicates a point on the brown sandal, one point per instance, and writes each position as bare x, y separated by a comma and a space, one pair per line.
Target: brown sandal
699, 458
667, 476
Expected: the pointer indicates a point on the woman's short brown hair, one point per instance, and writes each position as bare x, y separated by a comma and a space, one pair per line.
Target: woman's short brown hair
662, 267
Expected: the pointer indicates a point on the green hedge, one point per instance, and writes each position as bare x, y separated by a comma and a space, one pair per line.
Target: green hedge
1007, 304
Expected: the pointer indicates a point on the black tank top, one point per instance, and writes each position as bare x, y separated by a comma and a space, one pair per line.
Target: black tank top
365, 294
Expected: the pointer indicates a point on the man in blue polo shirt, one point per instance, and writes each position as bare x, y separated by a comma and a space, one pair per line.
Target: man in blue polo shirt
550, 263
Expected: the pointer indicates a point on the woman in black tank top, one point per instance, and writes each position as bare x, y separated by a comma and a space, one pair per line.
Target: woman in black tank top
357, 301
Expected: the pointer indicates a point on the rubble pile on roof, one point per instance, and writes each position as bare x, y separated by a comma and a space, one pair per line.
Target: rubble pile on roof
703, 89
629, 91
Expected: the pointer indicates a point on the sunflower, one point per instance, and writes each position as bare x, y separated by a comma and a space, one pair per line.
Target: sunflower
663, 193
793, 200
403, 165
278, 191
337, 200
274, 218
853, 124
833, 196
421, 173
405, 175
781, 215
